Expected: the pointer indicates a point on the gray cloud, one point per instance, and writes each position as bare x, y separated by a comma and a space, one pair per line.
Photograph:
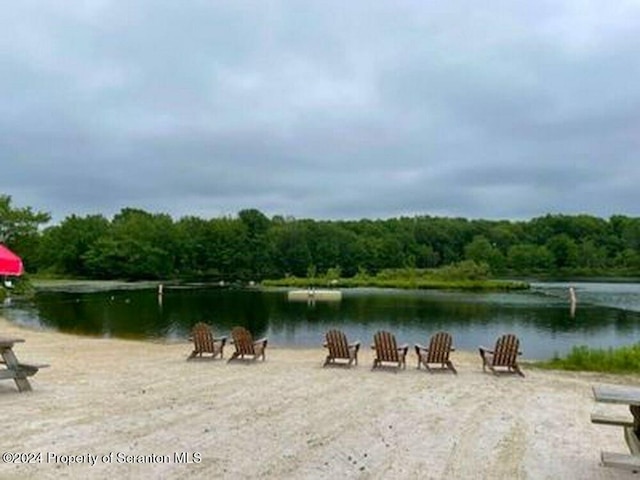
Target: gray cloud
321, 109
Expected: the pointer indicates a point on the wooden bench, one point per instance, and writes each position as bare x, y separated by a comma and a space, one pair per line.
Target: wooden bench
624, 395
29, 367
15, 370
621, 460
632, 440
607, 420
19, 374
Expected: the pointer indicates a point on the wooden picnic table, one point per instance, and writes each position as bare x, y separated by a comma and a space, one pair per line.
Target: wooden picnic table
624, 395
13, 368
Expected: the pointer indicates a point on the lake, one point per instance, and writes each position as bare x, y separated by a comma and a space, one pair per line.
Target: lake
607, 314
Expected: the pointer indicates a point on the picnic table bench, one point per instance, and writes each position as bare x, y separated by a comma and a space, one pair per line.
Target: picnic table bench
13, 368
625, 395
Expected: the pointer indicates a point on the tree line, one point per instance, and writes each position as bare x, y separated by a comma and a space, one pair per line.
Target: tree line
136, 244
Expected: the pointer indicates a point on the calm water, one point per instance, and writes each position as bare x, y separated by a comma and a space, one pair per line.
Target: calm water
606, 315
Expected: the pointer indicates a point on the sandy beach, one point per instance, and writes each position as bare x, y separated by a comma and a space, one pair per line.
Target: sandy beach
109, 408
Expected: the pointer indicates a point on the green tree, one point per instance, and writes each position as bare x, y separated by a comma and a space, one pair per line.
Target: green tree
190, 236
19, 230
631, 234
564, 250
140, 245
292, 249
591, 256
529, 258
227, 258
257, 251
63, 247
480, 250
628, 259
17, 223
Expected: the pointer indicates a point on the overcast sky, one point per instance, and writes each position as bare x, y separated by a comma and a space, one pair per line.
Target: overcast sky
326, 110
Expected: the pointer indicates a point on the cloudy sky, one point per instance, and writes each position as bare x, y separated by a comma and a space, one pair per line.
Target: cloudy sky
321, 109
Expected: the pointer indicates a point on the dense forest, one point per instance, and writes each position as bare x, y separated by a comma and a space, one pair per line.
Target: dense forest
136, 244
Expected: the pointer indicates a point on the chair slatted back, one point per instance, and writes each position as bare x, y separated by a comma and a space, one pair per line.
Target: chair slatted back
337, 344
505, 353
386, 347
203, 338
243, 341
439, 348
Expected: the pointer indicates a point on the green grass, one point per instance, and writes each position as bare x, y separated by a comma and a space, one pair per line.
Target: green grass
491, 285
463, 276
582, 358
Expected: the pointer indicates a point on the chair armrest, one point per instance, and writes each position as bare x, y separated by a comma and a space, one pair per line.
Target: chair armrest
485, 349
354, 345
420, 347
262, 341
220, 339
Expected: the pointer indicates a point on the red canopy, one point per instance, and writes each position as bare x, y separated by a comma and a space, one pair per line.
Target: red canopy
10, 263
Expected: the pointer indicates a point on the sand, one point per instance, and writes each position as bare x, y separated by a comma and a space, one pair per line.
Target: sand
109, 408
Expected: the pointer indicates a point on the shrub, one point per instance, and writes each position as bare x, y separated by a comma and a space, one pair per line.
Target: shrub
465, 270
619, 360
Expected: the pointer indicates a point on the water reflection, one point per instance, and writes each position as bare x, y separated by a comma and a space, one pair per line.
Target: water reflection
542, 317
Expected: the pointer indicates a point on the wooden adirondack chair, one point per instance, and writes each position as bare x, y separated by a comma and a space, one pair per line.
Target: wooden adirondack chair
205, 342
503, 356
387, 350
340, 349
437, 353
246, 346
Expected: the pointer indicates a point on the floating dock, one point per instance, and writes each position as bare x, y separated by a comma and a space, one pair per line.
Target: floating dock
313, 295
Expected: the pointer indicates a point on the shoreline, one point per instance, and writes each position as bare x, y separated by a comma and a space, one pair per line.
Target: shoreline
290, 418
